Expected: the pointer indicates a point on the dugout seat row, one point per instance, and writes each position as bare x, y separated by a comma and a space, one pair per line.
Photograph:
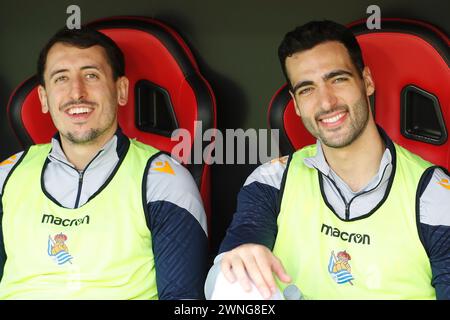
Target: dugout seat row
409, 61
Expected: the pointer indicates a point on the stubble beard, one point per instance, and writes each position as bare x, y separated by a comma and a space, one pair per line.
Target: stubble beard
356, 126
87, 138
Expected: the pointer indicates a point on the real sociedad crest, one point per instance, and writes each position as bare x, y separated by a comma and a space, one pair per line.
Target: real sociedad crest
339, 267
57, 249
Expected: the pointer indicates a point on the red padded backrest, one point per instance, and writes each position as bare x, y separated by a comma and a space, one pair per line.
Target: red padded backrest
39, 126
403, 53
146, 58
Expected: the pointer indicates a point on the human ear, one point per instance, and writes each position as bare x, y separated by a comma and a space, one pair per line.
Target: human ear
122, 90
43, 98
368, 81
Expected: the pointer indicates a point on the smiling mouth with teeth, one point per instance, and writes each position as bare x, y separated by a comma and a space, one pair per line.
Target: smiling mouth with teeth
75, 111
333, 119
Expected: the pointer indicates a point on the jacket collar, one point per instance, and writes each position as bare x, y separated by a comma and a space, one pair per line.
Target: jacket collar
115, 147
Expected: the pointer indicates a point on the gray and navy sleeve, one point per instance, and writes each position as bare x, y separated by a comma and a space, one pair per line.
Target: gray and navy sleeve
434, 228
179, 230
255, 219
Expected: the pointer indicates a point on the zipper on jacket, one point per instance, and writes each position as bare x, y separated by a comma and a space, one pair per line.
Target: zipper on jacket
80, 185
80, 176
80, 179
347, 211
347, 205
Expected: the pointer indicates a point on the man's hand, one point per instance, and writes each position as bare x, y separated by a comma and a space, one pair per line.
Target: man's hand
254, 262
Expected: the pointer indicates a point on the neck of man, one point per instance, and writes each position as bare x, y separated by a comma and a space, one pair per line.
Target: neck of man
357, 163
81, 154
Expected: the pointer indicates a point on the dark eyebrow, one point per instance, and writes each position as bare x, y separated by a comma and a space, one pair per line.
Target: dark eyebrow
336, 73
328, 76
90, 67
57, 71
301, 84
64, 70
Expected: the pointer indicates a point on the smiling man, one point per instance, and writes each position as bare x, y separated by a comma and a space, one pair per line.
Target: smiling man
94, 214
354, 216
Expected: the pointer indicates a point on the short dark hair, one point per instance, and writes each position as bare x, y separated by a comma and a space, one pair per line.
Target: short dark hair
313, 33
84, 38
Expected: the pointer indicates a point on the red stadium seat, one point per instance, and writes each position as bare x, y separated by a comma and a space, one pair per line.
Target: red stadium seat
409, 61
167, 91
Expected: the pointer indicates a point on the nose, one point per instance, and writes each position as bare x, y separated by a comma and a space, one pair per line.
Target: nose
327, 96
77, 89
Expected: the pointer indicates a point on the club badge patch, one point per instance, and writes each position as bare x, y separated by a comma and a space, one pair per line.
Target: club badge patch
57, 249
339, 267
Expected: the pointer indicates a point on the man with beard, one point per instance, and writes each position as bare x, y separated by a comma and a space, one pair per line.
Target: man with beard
353, 192
129, 217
